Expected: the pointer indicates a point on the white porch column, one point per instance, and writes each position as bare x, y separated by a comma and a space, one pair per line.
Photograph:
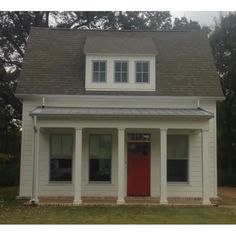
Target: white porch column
36, 130
121, 166
163, 146
205, 168
78, 167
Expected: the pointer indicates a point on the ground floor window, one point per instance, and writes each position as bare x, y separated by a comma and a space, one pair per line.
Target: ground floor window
100, 153
61, 149
177, 158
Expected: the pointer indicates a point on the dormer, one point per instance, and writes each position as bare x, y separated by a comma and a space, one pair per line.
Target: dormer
120, 63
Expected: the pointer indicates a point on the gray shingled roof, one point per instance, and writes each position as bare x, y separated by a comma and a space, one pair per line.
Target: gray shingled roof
54, 63
119, 45
121, 112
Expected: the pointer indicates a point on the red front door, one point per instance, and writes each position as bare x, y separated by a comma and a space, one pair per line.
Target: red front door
138, 183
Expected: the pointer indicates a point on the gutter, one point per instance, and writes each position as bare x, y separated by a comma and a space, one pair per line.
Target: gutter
98, 96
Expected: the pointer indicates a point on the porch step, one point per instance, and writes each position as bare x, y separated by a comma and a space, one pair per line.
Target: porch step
142, 200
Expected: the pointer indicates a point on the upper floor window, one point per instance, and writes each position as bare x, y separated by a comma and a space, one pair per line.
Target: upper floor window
121, 71
99, 71
142, 71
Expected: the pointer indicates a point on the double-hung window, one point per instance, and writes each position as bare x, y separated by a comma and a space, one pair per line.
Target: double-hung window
61, 149
142, 71
100, 152
99, 71
121, 71
177, 158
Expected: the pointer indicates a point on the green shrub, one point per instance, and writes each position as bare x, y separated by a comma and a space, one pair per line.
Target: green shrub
9, 173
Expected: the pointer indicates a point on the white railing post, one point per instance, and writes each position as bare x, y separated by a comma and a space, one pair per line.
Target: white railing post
205, 167
121, 166
163, 145
78, 167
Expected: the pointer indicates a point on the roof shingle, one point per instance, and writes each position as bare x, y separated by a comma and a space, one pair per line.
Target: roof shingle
54, 62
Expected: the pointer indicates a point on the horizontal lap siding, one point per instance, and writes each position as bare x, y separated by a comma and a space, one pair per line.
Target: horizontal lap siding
26, 151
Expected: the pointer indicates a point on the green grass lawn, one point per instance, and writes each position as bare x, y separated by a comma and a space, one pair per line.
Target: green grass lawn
14, 212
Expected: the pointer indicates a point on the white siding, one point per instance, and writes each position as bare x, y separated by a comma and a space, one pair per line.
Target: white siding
192, 189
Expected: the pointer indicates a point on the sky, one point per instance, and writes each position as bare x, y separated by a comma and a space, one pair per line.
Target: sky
203, 17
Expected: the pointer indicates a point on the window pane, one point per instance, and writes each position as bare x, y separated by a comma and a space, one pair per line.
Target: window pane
102, 76
100, 170
138, 77
67, 145
118, 77
145, 66
94, 150
124, 67
105, 146
177, 170
95, 66
177, 146
55, 145
182, 147
131, 137
95, 76
60, 169
124, 77
138, 67
118, 66
145, 77
102, 66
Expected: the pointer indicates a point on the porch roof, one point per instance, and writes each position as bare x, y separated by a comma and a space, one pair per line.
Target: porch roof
121, 112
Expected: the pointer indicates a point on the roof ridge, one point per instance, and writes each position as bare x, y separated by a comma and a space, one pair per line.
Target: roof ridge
113, 30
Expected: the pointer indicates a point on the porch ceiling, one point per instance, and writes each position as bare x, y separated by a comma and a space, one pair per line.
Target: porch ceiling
121, 112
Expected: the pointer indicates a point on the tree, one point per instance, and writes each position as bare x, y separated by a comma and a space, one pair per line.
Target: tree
121, 20
184, 24
14, 30
223, 43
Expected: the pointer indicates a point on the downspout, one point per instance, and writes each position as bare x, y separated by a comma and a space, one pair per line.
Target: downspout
34, 197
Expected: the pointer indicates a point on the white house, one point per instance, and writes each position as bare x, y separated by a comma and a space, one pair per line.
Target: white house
118, 115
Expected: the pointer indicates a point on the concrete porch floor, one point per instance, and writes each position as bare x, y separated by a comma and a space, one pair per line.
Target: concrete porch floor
128, 201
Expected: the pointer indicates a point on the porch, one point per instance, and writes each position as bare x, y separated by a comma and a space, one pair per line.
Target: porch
84, 190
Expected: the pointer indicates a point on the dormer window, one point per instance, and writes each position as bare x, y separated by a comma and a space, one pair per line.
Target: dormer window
121, 71
142, 71
99, 71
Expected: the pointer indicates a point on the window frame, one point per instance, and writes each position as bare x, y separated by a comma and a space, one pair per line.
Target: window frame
135, 72
99, 71
114, 71
188, 162
58, 157
97, 181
